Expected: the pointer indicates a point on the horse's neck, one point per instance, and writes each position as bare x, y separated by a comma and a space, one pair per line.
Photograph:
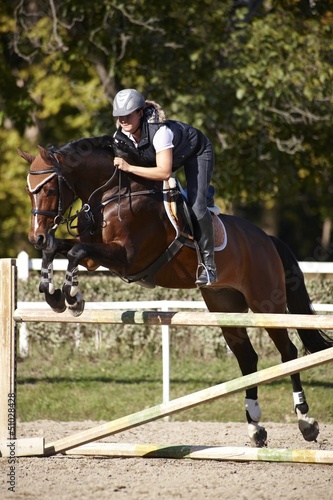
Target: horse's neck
87, 178
98, 175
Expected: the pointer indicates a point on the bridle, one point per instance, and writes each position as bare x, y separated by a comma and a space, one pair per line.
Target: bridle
58, 214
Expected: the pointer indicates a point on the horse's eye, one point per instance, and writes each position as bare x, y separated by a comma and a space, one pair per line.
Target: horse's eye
51, 191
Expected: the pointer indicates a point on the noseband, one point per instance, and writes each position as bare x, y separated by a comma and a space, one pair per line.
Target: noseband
58, 215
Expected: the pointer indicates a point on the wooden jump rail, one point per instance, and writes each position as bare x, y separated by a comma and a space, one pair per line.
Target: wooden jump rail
106, 316
223, 453
79, 442
189, 401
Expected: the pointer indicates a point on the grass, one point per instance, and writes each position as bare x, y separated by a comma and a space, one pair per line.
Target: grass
62, 386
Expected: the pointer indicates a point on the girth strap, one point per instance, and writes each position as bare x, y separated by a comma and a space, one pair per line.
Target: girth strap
146, 278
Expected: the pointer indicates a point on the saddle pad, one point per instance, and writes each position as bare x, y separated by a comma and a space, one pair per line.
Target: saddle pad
220, 234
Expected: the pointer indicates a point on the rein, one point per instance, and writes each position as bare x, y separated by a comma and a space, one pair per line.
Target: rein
86, 208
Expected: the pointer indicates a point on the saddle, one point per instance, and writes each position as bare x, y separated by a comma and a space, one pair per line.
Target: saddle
178, 211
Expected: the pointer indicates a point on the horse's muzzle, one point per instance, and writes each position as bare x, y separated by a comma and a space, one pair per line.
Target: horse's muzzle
38, 241
42, 241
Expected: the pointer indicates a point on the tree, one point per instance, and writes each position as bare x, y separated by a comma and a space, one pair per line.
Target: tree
256, 76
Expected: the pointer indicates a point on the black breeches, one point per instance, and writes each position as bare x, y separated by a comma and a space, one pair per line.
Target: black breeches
198, 172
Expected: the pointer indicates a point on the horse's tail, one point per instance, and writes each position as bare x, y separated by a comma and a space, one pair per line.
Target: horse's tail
298, 300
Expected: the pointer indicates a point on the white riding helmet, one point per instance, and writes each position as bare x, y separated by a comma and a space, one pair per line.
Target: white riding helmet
127, 101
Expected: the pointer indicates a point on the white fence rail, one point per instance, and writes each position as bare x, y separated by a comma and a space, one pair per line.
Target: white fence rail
25, 265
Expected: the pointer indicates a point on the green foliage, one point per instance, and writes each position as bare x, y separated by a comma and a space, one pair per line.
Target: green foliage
256, 78
279, 83
14, 213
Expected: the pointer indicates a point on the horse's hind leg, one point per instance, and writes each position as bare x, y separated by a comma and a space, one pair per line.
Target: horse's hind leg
228, 300
307, 425
239, 343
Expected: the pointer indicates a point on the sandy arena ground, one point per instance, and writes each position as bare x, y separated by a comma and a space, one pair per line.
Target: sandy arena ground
64, 477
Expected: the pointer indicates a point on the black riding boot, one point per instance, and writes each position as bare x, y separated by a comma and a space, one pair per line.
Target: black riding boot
205, 238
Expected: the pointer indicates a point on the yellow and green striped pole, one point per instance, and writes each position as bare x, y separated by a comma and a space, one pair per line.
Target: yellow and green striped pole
228, 453
189, 401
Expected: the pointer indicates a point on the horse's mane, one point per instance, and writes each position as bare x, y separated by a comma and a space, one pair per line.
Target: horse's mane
84, 145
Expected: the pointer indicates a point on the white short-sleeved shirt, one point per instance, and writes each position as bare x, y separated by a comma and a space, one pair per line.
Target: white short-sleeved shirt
162, 139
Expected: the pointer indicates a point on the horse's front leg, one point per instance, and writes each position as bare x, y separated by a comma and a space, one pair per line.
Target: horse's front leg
91, 255
54, 297
73, 298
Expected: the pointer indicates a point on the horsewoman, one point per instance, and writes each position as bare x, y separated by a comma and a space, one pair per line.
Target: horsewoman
164, 146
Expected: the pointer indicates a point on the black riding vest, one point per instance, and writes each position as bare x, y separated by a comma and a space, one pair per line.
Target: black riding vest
187, 140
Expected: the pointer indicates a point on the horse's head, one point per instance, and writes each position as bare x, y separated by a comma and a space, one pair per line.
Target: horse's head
50, 195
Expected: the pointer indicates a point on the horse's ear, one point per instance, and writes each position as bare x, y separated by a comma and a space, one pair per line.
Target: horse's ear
26, 156
45, 155
59, 157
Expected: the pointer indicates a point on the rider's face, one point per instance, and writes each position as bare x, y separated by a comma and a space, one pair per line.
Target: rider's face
131, 123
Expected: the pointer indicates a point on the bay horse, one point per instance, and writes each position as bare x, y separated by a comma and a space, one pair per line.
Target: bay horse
124, 225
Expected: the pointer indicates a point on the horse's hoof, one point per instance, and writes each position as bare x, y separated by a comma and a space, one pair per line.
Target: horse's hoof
258, 435
77, 308
56, 301
259, 440
309, 429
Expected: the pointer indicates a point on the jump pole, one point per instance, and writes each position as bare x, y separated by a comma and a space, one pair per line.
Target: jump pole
189, 401
224, 453
171, 318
